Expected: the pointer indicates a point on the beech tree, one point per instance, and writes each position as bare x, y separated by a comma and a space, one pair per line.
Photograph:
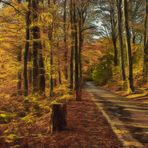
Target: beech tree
120, 37
26, 52
145, 68
129, 50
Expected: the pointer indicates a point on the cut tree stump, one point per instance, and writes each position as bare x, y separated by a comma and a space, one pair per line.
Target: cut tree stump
58, 117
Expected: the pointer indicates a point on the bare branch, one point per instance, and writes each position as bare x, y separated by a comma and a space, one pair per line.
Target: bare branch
9, 4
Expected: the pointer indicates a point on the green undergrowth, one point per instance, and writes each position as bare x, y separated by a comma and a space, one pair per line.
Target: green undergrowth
102, 72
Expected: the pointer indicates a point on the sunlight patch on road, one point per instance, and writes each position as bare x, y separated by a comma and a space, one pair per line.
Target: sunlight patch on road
135, 110
132, 144
122, 132
135, 96
131, 124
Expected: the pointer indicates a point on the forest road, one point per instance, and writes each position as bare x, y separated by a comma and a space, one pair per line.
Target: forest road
128, 119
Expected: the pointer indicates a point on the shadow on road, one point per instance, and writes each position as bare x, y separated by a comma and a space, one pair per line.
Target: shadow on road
132, 114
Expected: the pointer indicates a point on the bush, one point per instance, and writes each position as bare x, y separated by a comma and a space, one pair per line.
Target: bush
103, 72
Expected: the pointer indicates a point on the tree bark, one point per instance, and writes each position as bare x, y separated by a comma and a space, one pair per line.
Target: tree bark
145, 46
81, 40
36, 46
59, 72
77, 80
19, 84
119, 8
38, 63
113, 33
65, 41
50, 37
42, 84
51, 62
129, 50
72, 46
28, 22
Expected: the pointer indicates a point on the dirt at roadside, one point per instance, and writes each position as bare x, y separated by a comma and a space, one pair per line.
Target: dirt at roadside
87, 128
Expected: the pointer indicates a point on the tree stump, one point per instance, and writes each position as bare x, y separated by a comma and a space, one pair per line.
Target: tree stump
58, 117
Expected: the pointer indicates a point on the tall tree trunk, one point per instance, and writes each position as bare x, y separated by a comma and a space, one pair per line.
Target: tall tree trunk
50, 37
119, 8
72, 46
80, 57
19, 58
36, 46
28, 22
51, 68
77, 80
113, 33
65, 41
38, 63
81, 23
72, 68
145, 65
42, 84
59, 72
41, 73
115, 50
19, 84
82, 15
30, 72
129, 51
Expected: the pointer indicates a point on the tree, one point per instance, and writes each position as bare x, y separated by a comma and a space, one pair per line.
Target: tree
119, 9
77, 80
129, 50
113, 30
28, 22
38, 63
65, 40
145, 45
72, 46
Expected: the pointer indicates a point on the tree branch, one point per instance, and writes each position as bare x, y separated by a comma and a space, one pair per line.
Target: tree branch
9, 4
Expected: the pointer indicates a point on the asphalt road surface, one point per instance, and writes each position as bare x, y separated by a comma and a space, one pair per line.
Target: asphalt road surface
128, 118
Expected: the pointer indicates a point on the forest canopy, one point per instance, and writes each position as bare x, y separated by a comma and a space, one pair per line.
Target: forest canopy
50, 48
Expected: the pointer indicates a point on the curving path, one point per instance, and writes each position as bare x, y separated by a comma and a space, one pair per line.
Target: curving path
128, 118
